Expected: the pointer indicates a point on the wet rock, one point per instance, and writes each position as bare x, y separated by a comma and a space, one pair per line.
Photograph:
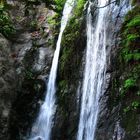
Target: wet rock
24, 38
113, 124
43, 59
7, 86
119, 132
23, 59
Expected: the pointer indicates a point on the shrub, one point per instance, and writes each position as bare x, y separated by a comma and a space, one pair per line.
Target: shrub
129, 83
6, 25
134, 22
135, 104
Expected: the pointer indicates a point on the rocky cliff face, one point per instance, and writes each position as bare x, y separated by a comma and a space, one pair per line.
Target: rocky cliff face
8, 82
25, 60
119, 113
26, 57
112, 122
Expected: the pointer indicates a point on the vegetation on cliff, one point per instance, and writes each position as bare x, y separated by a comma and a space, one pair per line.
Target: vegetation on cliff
70, 58
126, 80
72, 47
130, 58
6, 24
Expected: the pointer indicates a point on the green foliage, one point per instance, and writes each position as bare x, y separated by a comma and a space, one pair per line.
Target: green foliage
135, 72
33, 24
29, 75
65, 56
52, 20
131, 36
134, 22
59, 5
69, 59
135, 104
130, 57
71, 33
127, 109
63, 85
129, 83
132, 13
127, 90
80, 7
62, 94
6, 25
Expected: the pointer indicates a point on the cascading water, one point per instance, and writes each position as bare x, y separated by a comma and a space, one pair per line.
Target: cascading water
42, 127
94, 74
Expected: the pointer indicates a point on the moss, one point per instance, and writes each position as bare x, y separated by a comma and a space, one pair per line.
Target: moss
134, 2
29, 75
59, 5
72, 47
132, 13
130, 34
127, 73
71, 34
129, 83
6, 24
135, 104
132, 37
130, 121
134, 22
33, 25
67, 53
71, 52
63, 86
80, 7
53, 21
130, 58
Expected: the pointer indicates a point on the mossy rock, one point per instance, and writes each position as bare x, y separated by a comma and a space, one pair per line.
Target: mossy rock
130, 122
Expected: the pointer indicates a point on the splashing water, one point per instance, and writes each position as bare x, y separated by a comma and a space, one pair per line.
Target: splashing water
94, 74
42, 127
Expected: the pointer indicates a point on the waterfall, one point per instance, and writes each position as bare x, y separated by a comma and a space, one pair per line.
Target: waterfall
94, 74
42, 128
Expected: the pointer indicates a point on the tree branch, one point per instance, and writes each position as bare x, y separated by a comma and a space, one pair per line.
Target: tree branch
106, 5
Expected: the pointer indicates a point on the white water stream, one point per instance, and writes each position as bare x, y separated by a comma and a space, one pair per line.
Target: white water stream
43, 125
94, 74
